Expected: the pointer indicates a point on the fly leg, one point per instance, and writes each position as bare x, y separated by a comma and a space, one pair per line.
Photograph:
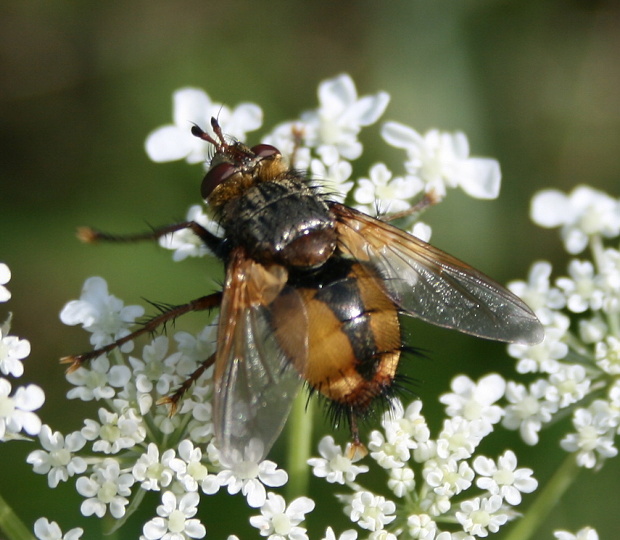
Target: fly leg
203, 303
91, 236
174, 399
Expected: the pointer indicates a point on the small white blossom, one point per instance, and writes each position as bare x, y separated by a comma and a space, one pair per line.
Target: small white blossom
333, 465
185, 243
593, 441
106, 487
448, 478
97, 380
341, 115
607, 355
587, 533
384, 191
279, 521
193, 106
248, 475
475, 401
370, 512
50, 530
101, 313
581, 214
459, 438
568, 385
12, 351
58, 459
482, 515
401, 481
154, 473
176, 518
441, 161
528, 409
193, 473
422, 527
581, 289
16, 412
5, 277
116, 431
504, 478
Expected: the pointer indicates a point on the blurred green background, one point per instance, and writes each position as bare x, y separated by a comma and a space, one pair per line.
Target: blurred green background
533, 83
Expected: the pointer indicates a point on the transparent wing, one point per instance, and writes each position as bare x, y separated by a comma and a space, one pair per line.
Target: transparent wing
429, 284
255, 381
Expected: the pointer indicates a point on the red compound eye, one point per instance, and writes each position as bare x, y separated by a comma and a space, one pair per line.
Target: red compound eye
265, 150
218, 174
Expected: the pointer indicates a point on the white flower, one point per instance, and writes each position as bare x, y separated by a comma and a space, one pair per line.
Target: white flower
12, 351
448, 478
101, 313
587, 533
279, 521
386, 192
441, 160
16, 412
568, 385
607, 355
581, 288
340, 116
474, 401
482, 515
185, 243
97, 380
194, 473
153, 473
246, 474
49, 530
528, 410
105, 487
193, 106
370, 511
459, 438
116, 431
404, 431
422, 526
334, 466
504, 478
593, 441
176, 518
57, 460
583, 213
5, 277
401, 481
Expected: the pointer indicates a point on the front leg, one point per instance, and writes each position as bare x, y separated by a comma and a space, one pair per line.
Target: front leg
91, 236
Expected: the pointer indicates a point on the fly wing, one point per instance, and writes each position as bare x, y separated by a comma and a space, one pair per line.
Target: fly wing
430, 284
255, 381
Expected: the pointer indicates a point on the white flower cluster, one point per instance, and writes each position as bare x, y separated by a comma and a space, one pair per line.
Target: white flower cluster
17, 417
440, 489
578, 363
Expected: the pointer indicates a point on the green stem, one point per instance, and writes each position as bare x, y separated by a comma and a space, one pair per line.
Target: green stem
11, 526
299, 445
545, 501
